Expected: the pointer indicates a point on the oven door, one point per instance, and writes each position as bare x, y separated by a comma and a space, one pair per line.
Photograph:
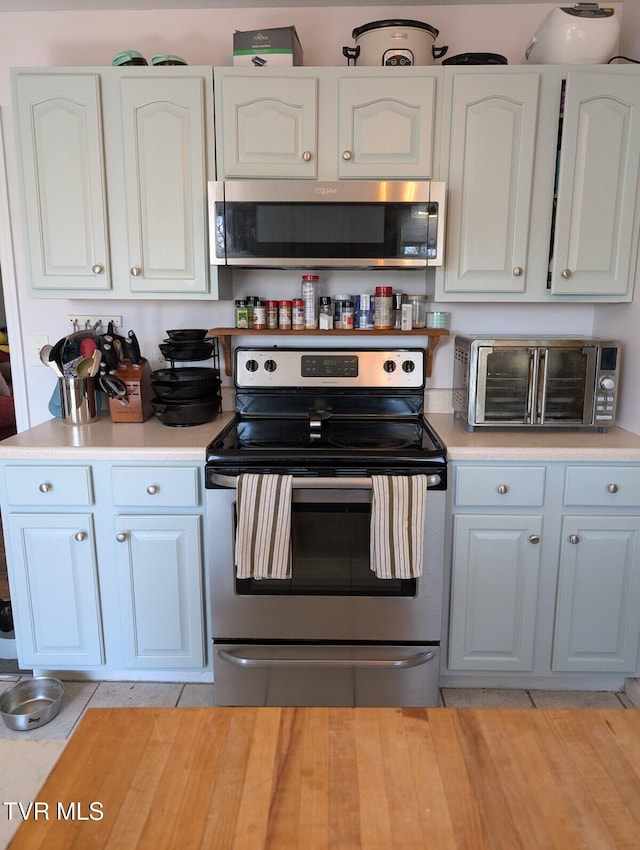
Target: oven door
333, 595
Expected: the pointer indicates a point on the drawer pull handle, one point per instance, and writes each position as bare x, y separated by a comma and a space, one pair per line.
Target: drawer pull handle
136, 271
121, 537
534, 538
306, 156
97, 269
152, 489
502, 489
566, 273
612, 488
518, 271
80, 536
347, 155
45, 487
573, 538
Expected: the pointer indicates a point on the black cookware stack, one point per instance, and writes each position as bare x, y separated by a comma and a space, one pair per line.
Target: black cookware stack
185, 394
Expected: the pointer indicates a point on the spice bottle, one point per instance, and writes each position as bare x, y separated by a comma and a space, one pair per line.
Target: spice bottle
383, 315
297, 314
259, 315
242, 313
272, 315
284, 315
325, 317
310, 299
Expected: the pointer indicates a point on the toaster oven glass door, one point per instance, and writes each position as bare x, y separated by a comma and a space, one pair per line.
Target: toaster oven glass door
535, 385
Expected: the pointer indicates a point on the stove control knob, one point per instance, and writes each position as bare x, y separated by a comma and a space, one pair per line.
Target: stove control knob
389, 366
251, 365
408, 366
270, 365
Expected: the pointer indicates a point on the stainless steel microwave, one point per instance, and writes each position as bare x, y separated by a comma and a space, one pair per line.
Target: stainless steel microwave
319, 224
554, 382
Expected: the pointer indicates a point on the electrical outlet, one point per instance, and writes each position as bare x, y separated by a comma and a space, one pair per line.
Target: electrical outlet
86, 323
36, 343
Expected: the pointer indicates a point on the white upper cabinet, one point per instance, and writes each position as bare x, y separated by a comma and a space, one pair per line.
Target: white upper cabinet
60, 122
386, 127
492, 153
269, 126
542, 184
115, 164
596, 226
327, 123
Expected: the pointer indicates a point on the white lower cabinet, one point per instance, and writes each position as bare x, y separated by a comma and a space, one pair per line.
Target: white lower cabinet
106, 566
160, 581
54, 589
550, 593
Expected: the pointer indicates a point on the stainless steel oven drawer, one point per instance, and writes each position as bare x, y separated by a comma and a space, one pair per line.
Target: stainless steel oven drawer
322, 675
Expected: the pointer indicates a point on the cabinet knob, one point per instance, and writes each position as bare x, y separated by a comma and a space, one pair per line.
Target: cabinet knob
566, 273
573, 538
347, 155
45, 487
612, 488
502, 489
534, 538
306, 155
97, 269
136, 271
80, 536
518, 271
152, 489
121, 537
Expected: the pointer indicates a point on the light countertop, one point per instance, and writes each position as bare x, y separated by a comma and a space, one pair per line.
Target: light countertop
153, 441
616, 445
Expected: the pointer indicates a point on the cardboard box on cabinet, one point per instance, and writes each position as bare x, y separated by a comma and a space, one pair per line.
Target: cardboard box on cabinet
271, 47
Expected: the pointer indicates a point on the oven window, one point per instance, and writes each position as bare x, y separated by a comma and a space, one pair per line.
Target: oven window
330, 557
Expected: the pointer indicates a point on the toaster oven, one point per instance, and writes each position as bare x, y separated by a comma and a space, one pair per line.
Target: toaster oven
552, 382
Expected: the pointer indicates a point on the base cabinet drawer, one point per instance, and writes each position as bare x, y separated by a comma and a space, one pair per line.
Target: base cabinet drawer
48, 486
602, 486
500, 486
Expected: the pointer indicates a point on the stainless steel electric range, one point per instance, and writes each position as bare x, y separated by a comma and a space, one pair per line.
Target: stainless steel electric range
334, 633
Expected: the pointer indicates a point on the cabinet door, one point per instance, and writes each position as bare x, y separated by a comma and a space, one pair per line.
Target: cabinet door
598, 605
496, 566
492, 147
59, 128
159, 565
164, 143
55, 588
386, 126
268, 126
596, 228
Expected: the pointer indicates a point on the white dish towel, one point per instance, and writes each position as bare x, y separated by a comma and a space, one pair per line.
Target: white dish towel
263, 534
398, 510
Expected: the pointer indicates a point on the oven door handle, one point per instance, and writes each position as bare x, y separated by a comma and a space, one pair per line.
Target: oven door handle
313, 483
341, 657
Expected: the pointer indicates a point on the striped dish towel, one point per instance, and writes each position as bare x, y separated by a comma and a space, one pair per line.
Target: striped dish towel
263, 536
398, 510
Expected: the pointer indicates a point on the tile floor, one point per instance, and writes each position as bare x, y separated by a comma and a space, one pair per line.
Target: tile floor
28, 757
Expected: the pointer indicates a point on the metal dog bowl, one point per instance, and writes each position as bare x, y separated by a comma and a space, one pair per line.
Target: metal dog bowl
31, 702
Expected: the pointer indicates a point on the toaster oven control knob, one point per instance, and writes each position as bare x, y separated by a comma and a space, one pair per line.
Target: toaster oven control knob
251, 365
270, 365
389, 366
607, 383
408, 366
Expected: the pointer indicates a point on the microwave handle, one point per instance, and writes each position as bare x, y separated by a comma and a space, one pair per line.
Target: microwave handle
217, 232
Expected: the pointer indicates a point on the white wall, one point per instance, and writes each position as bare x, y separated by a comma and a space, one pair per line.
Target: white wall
205, 37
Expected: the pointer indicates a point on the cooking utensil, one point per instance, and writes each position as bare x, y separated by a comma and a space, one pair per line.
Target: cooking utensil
187, 335
96, 357
45, 357
187, 350
393, 43
31, 703
186, 413
84, 367
189, 383
134, 349
114, 388
476, 59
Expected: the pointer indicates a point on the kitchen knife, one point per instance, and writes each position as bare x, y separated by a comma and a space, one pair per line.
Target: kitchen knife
136, 357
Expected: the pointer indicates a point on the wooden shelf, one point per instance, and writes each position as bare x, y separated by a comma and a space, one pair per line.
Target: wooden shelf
433, 336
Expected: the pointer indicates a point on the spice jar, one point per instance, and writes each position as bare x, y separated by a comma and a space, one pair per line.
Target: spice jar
242, 313
259, 315
383, 315
297, 314
325, 317
272, 315
339, 303
310, 299
284, 315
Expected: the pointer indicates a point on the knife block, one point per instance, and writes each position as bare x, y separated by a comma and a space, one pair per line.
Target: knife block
137, 379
